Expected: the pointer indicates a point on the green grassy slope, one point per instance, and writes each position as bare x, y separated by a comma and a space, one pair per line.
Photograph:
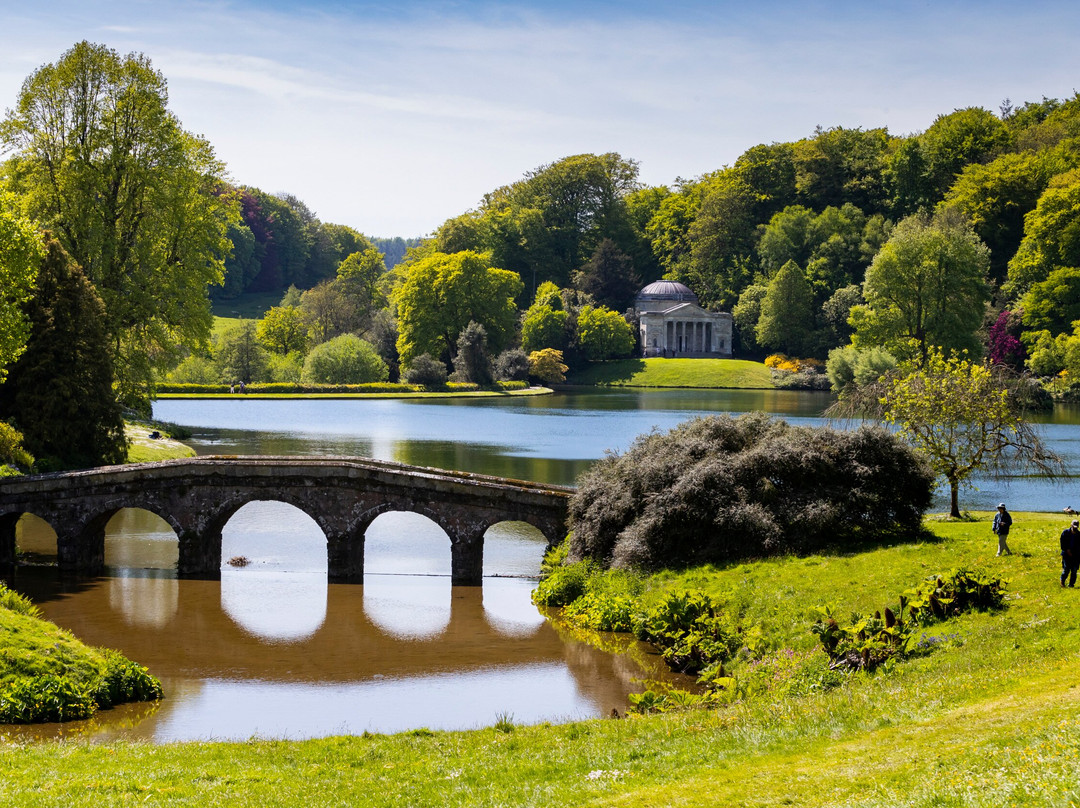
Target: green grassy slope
658, 372
988, 718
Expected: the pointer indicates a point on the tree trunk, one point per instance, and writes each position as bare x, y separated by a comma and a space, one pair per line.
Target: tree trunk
954, 491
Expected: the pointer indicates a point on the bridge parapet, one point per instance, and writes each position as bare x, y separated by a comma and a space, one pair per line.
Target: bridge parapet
197, 496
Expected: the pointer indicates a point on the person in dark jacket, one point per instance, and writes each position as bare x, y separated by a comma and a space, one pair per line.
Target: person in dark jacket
1070, 553
1002, 523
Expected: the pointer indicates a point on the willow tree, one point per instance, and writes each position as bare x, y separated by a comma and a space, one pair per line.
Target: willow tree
139, 204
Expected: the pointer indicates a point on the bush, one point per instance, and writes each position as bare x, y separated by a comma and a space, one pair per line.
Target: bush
426, 371
512, 365
344, 360
691, 631
564, 585
719, 488
44, 698
125, 681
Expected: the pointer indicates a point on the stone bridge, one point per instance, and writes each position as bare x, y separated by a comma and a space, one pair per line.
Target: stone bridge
344, 495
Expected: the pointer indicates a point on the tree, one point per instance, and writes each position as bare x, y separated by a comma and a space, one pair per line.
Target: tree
927, 284
1051, 235
1053, 304
13, 455
327, 311
787, 316
426, 371
59, 393
722, 242
473, 364
972, 135
544, 327
357, 280
609, 276
746, 314
238, 354
603, 334
133, 198
547, 366
960, 415
20, 255
512, 366
283, 329
443, 293
344, 360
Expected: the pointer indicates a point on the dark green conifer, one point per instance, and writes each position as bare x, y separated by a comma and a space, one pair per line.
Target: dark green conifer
60, 391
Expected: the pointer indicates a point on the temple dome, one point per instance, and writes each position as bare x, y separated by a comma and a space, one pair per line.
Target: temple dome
667, 290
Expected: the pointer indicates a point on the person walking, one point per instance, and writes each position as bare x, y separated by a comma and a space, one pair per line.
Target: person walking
1002, 523
1070, 553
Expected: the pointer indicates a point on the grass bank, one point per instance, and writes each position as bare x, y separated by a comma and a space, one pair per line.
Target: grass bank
986, 717
659, 372
46, 674
143, 449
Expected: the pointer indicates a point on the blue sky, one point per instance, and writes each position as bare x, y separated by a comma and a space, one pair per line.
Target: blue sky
392, 117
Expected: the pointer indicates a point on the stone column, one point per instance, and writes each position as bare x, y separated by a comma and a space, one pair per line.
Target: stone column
7, 538
467, 556
80, 548
200, 554
345, 558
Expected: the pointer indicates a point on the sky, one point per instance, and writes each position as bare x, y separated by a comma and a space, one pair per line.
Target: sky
392, 117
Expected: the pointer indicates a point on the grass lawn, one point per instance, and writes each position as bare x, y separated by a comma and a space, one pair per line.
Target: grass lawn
659, 372
986, 718
248, 307
143, 449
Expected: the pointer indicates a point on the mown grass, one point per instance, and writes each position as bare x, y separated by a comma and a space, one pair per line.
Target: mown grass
659, 372
144, 449
251, 306
988, 718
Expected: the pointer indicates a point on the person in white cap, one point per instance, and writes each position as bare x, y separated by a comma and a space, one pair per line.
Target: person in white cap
1002, 523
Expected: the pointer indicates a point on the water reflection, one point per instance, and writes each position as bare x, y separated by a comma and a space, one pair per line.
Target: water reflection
407, 607
143, 599
135, 538
257, 661
272, 649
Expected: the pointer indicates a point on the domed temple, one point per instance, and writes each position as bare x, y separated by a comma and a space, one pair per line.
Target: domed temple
672, 323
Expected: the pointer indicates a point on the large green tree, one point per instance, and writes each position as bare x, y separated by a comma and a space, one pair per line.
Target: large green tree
20, 254
442, 293
133, 198
59, 393
927, 284
1051, 235
787, 316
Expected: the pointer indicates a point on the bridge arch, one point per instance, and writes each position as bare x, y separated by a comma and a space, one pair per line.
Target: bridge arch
406, 541
15, 522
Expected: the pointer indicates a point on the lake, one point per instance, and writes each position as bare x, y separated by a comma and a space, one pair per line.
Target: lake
273, 650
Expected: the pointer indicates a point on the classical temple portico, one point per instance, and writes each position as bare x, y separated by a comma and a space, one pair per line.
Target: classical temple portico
673, 324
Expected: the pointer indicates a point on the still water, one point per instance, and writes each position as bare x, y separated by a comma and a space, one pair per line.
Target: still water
273, 650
